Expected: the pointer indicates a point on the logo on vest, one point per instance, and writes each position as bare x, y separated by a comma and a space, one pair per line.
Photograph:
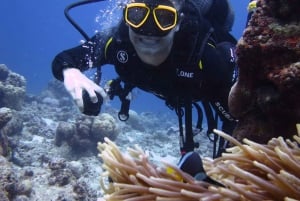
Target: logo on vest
223, 111
122, 56
181, 73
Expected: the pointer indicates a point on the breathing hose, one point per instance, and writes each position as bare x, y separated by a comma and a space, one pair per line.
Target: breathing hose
70, 19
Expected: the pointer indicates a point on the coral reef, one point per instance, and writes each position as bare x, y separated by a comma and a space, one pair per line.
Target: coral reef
266, 96
60, 175
84, 134
5, 116
15, 125
12, 187
249, 171
12, 88
36, 169
7, 180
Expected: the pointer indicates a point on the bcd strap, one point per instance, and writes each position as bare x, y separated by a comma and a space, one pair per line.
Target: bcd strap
200, 116
186, 138
212, 122
187, 143
123, 114
115, 89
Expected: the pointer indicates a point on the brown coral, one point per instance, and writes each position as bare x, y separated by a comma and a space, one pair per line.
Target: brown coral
84, 134
249, 171
12, 88
267, 91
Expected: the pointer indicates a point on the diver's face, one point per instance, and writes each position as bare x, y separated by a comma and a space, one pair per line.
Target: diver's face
152, 45
152, 27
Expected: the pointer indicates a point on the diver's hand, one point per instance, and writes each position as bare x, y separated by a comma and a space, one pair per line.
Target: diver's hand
75, 82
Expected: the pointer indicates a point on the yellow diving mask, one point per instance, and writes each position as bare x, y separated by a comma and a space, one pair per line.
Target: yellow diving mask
149, 18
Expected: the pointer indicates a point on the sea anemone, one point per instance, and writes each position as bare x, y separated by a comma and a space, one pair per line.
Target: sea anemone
248, 171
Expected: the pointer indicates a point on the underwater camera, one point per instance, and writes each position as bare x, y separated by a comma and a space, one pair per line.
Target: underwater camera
90, 108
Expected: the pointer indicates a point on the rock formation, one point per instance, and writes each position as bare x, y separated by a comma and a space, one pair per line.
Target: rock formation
12, 88
266, 96
84, 134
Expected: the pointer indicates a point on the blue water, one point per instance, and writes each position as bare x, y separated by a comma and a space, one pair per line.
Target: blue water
32, 32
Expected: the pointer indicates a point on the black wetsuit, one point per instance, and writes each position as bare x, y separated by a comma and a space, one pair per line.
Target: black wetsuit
194, 68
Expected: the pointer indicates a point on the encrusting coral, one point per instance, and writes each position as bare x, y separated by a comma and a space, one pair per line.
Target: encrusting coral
266, 96
248, 171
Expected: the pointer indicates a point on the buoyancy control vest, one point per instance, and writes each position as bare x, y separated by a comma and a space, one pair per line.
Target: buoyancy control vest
180, 71
184, 69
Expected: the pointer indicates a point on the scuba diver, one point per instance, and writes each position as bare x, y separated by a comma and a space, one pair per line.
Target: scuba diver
180, 51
